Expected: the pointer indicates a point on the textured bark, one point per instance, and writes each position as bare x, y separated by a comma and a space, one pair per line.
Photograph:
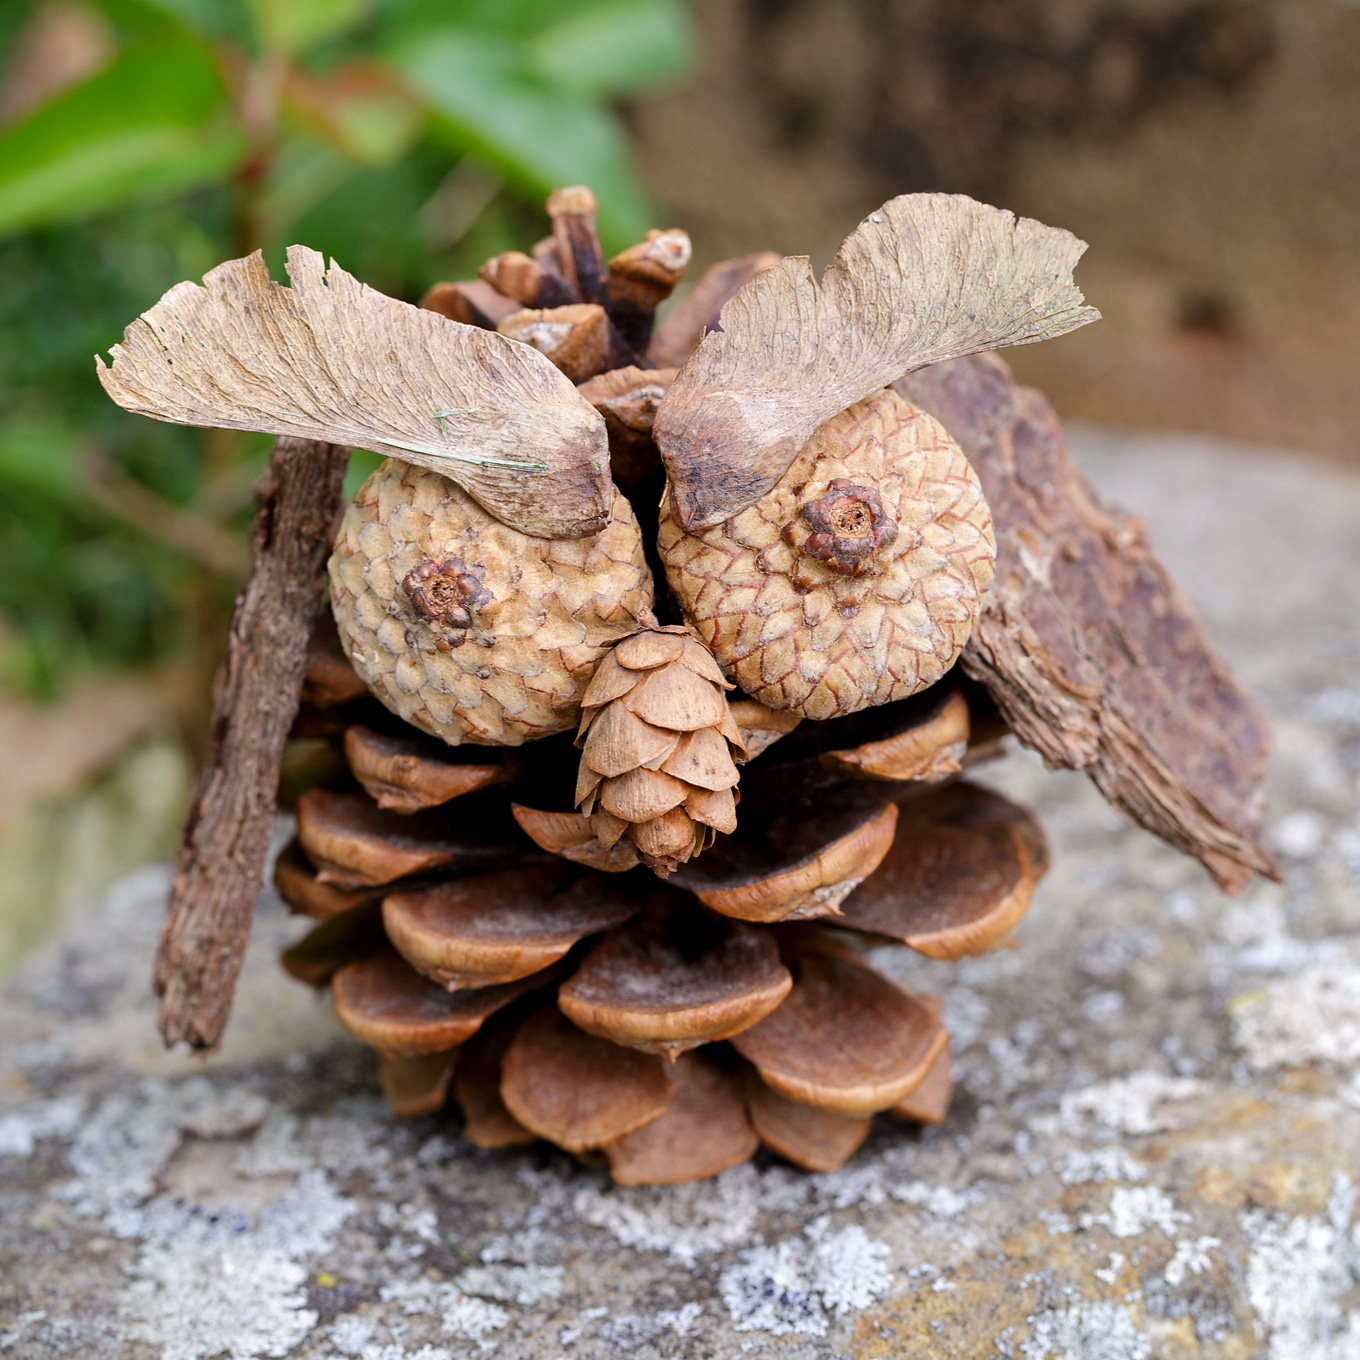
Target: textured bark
226, 835
1092, 654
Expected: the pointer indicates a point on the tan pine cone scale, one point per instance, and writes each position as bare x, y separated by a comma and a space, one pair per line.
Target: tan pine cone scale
856, 579
467, 628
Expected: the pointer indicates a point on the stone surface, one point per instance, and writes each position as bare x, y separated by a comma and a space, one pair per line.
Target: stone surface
1153, 1153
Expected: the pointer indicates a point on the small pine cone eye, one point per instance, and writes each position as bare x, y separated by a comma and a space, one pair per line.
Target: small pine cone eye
856, 579
467, 628
658, 741
447, 592
848, 526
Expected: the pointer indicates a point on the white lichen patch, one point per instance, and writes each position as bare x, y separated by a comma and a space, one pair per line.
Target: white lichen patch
207, 1285
457, 1314
687, 1221
524, 1285
22, 1129
1085, 1330
1111, 1163
1134, 1209
1191, 1258
1299, 1272
1133, 1104
798, 1287
1311, 1016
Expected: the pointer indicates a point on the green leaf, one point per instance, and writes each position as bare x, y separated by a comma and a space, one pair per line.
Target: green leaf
538, 137
40, 455
293, 26
154, 122
616, 48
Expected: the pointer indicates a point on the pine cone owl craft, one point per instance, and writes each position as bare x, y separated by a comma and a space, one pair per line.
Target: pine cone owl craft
622, 797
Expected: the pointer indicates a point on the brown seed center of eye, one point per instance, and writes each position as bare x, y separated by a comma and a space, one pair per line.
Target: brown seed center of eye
851, 519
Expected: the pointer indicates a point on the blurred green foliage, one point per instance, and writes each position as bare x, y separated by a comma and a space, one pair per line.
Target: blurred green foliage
409, 139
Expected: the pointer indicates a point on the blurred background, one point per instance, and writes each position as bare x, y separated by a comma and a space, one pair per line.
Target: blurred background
1209, 150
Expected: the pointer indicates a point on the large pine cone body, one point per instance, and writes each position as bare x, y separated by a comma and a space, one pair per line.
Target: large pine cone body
657, 744
467, 628
856, 579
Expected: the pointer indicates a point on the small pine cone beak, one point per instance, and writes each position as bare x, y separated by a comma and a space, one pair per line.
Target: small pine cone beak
658, 742
855, 580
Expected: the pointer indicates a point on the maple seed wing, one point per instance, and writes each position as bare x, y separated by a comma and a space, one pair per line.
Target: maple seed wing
927, 277
331, 359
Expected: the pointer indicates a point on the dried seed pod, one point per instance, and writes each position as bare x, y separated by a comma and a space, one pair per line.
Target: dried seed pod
571, 835
387, 1005
323, 951
676, 978
699, 310
804, 843
296, 881
761, 727
473, 303
856, 579
477, 1085
402, 774
929, 1102
487, 928
521, 277
469, 629
641, 278
575, 337
703, 1131
356, 845
627, 398
657, 742
419, 1085
846, 1039
929, 744
578, 1091
330, 681
813, 1139
957, 879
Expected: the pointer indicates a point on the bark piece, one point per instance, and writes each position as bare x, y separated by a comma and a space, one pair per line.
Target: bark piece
296, 881
956, 880
403, 774
477, 1085
1094, 657
521, 277
571, 835
641, 278
419, 1085
803, 844
315, 361
487, 928
700, 310
387, 1005
575, 338
927, 277
576, 1090
471, 303
812, 1139
761, 727
354, 844
846, 1039
928, 745
703, 1131
676, 978
929, 1102
330, 680
627, 398
578, 244
324, 950
225, 841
